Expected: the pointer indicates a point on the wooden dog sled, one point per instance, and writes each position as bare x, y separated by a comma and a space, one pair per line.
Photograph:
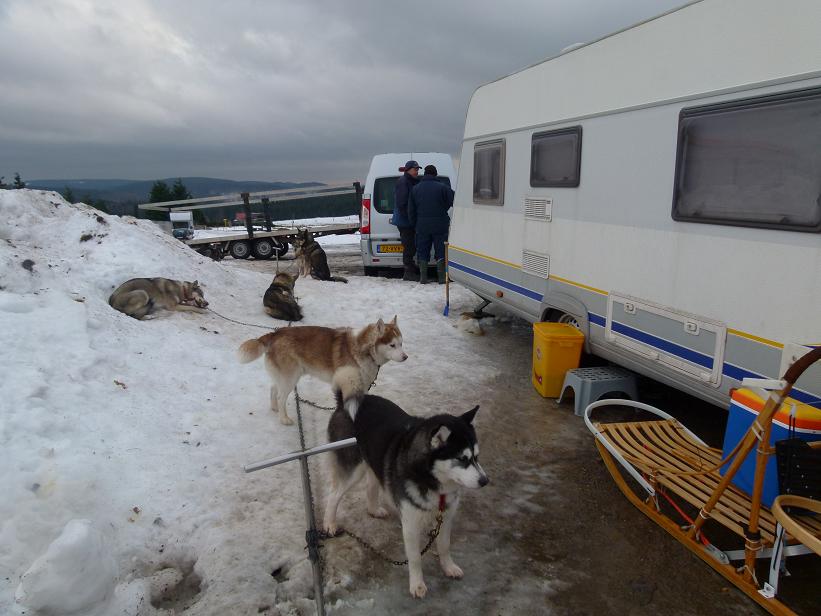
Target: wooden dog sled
673, 465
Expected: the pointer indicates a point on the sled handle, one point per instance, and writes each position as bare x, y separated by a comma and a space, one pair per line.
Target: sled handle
798, 368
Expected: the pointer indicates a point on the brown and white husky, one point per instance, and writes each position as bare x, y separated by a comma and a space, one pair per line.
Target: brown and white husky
347, 359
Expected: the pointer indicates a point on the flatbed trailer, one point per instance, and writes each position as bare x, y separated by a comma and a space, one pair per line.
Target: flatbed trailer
271, 241
239, 246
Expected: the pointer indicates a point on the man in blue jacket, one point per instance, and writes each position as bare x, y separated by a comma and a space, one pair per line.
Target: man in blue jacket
401, 194
428, 208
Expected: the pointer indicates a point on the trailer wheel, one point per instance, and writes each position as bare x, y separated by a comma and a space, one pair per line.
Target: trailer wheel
263, 248
240, 249
280, 248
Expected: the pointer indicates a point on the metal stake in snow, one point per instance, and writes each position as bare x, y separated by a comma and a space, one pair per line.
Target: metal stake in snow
312, 536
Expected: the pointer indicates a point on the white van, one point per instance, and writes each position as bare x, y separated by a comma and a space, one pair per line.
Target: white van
379, 241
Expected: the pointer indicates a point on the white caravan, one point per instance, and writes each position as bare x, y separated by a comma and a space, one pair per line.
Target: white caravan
379, 240
661, 189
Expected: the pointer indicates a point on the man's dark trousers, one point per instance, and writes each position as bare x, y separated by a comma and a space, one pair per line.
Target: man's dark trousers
408, 237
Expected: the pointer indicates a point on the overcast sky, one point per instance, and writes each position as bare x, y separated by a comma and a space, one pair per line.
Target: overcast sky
262, 90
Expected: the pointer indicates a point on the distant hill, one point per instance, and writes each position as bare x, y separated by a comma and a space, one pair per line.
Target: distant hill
122, 196
137, 191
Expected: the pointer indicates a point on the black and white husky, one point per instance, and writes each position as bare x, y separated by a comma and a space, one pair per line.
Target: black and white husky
421, 464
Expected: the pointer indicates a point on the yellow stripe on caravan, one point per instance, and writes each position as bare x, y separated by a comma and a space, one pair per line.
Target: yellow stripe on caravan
740, 334
481, 256
580, 285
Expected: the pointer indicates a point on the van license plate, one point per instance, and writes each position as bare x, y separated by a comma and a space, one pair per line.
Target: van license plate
388, 248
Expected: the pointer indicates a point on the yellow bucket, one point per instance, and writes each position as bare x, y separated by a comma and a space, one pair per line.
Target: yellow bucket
557, 348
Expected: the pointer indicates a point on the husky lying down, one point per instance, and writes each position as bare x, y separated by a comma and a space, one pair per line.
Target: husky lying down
279, 301
348, 360
420, 464
142, 297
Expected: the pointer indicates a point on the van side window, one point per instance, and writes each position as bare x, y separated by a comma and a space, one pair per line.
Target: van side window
556, 157
754, 163
383, 194
489, 172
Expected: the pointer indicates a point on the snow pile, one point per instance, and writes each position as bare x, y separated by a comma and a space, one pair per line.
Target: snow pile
142, 427
76, 573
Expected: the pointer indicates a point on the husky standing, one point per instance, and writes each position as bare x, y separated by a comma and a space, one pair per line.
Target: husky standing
312, 258
141, 297
348, 360
279, 300
421, 464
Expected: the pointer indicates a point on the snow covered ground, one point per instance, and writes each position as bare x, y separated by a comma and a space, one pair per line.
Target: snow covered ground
126, 439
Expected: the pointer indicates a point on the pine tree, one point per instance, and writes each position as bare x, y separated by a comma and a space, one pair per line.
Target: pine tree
18, 183
160, 192
179, 191
68, 194
3, 185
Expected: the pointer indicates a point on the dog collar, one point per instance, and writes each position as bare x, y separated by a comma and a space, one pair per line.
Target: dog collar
442, 503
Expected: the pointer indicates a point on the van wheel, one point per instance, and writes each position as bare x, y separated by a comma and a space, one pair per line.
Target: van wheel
370, 270
240, 249
263, 248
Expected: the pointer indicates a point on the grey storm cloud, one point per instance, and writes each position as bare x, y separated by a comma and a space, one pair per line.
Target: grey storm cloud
262, 90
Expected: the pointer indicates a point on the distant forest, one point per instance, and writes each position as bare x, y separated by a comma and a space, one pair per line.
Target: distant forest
122, 196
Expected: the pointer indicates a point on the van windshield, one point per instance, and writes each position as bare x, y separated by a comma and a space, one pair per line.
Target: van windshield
382, 200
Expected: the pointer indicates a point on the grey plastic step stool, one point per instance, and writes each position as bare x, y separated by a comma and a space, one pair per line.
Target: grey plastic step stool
590, 384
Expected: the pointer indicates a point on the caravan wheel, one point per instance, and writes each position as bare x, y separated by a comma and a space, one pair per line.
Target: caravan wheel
557, 316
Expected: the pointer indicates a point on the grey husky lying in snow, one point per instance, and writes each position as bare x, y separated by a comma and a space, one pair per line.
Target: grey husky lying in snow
420, 464
142, 297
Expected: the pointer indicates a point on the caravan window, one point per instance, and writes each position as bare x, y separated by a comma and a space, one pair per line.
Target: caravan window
556, 157
755, 163
489, 172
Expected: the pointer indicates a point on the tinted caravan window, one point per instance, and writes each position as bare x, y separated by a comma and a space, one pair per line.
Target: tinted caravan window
755, 162
556, 157
489, 172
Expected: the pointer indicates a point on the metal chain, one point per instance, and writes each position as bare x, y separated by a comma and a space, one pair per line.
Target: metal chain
313, 404
432, 534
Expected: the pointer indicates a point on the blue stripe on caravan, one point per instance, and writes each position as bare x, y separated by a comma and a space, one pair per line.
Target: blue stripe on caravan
502, 283
739, 374
665, 345
596, 319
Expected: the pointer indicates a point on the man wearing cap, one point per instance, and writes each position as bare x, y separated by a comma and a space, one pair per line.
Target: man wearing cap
428, 208
400, 219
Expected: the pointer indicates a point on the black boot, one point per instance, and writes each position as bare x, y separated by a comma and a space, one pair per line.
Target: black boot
441, 272
410, 273
423, 272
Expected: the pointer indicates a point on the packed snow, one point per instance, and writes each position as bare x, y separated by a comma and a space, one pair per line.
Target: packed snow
123, 441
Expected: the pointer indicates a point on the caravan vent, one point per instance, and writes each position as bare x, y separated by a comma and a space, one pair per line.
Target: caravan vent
536, 264
540, 209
